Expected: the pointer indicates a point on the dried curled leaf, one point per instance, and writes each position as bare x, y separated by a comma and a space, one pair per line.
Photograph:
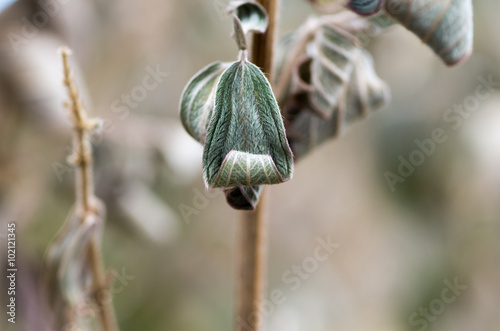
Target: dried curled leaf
66, 270
246, 143
331, 67
365, 7
243, 197
445, 25
52, 260
197, 100
365, 92
74, 267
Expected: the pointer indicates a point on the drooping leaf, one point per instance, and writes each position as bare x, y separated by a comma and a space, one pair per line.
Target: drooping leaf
366, 92
246, 143
252, 15
365, 7
333, 82
332, 65
243, 197
445, 25
198, 98
307, 42
74, 266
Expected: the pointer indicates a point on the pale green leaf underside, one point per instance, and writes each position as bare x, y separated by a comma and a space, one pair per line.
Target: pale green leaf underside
445, 25
241, 168
246, 142
197, 100
252, 15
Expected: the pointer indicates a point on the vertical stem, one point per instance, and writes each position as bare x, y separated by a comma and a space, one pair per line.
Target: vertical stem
252, 267
84, 191
253, 248
106, 312
82, 157
263, 44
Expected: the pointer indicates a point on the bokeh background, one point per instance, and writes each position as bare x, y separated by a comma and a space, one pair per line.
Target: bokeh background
398, 250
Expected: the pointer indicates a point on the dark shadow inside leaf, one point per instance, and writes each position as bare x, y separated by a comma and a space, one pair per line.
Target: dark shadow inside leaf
243, 197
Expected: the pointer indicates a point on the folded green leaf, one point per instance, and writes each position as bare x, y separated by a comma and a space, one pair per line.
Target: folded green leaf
446, 26
246, 143
197, 101
252, 15
243, 197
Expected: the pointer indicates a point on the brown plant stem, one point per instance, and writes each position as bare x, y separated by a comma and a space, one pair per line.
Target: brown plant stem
263, 44
252, 265
82, 158
253, 248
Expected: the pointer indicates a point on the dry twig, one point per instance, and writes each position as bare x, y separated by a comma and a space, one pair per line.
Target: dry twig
82, 159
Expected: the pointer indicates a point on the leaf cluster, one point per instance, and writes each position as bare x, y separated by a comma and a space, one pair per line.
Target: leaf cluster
324, 80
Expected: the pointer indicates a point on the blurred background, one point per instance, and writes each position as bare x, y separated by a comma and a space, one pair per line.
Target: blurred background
422, 256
